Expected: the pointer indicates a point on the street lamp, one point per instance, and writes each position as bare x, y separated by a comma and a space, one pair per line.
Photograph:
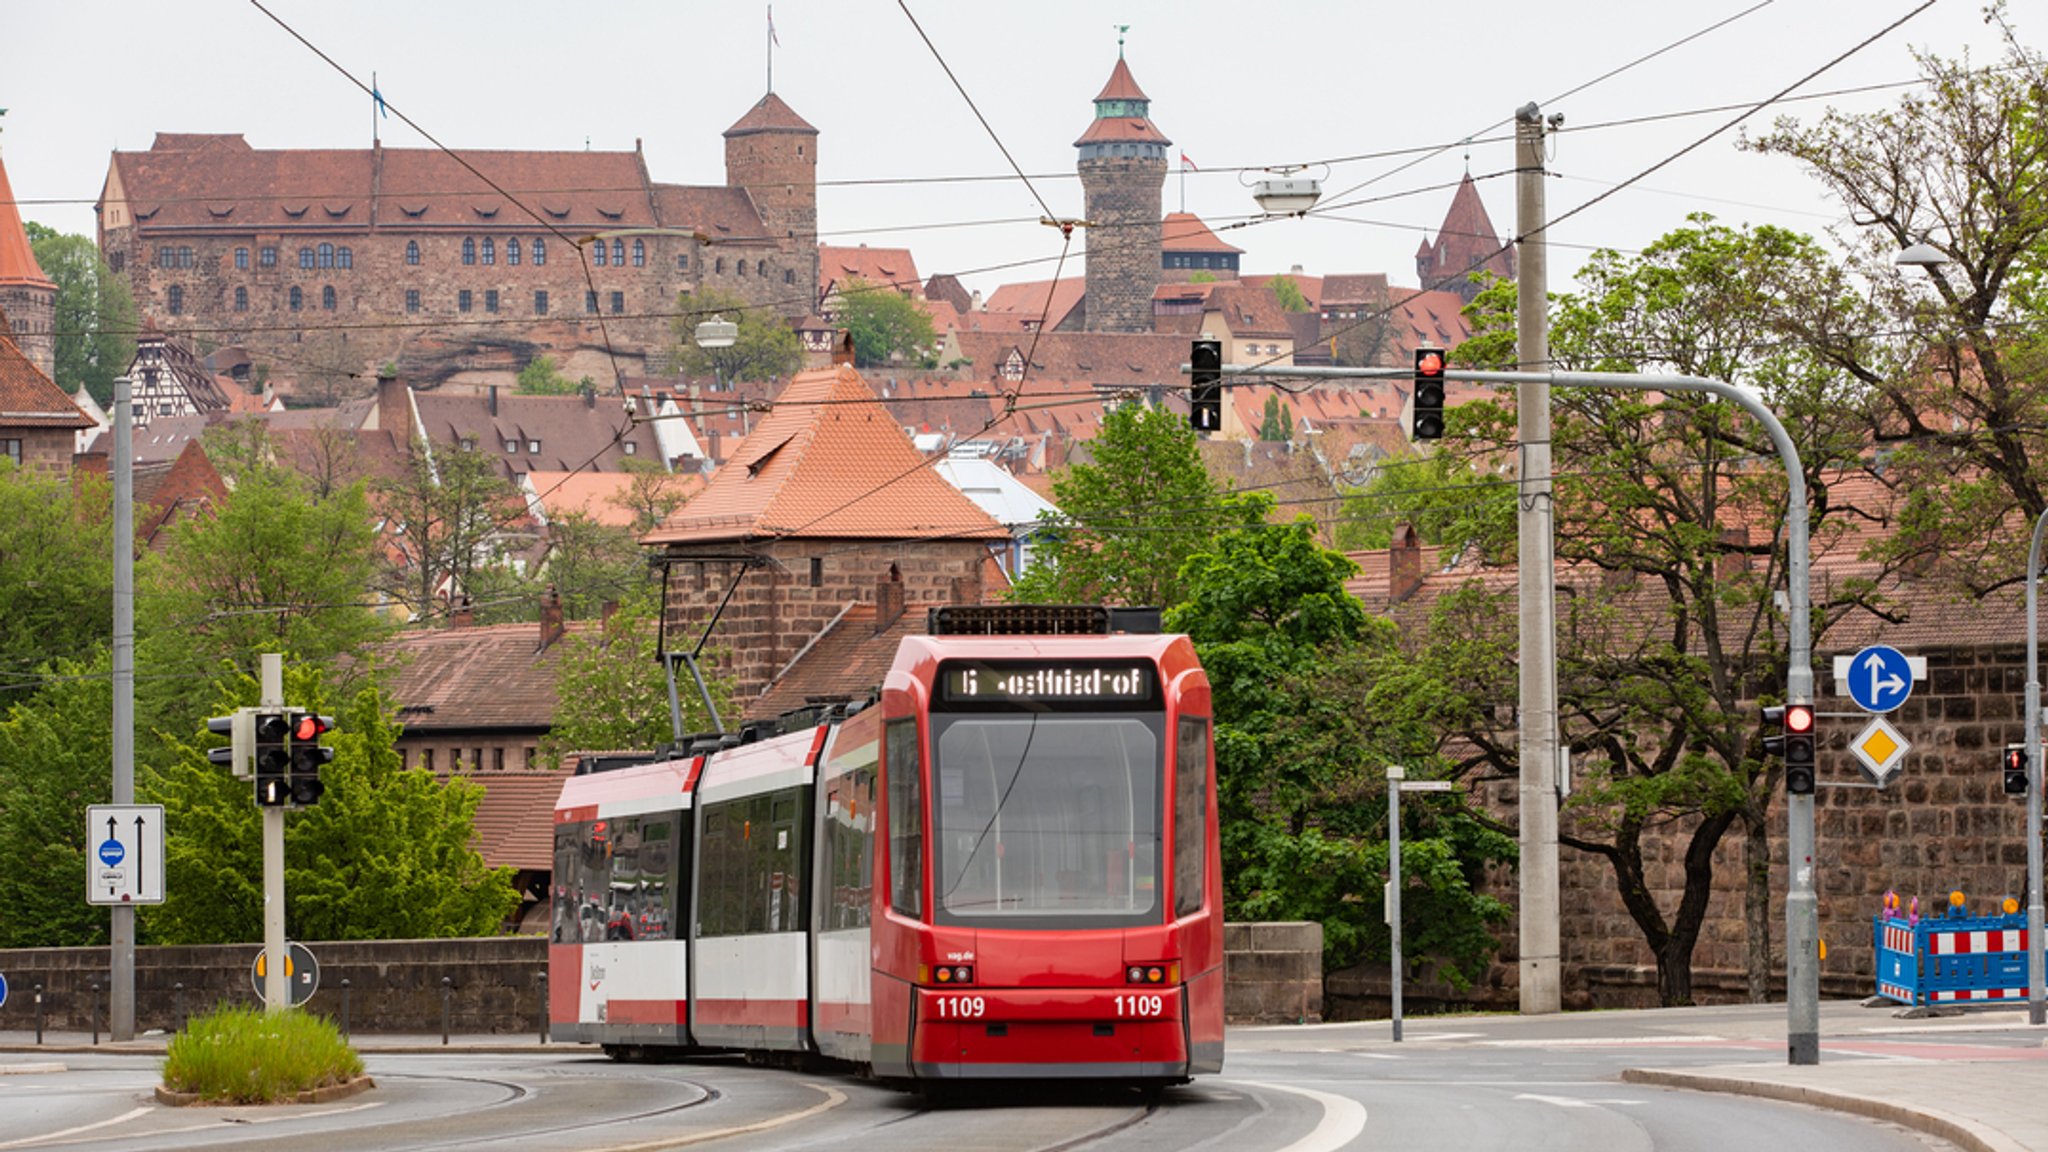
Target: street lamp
1282, 193
1922, 255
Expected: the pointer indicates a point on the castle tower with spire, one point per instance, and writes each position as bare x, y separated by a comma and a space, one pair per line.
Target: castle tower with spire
27, 297
1123, 169
1465, 244
773, 154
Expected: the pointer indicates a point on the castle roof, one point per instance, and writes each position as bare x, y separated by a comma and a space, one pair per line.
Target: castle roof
17, 259
770, 114
29, 399
1122, 85
878, 267
1185, 232
1122, 130
828, 461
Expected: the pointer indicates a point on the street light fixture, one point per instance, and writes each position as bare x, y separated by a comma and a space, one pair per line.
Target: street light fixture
1922, 255
1282, 193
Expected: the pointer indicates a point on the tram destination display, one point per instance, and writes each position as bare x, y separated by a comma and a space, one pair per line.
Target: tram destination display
1006, 682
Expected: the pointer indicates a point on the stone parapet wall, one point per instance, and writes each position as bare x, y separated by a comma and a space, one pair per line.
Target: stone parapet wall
1273, 973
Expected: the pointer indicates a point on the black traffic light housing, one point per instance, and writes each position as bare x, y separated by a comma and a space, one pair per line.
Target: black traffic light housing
1800, 749
273, 757
2015, 769
1205, 391
308, 756
238, 727
1428, 408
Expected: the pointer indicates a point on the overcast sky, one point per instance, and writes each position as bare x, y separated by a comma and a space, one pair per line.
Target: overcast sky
1233, 84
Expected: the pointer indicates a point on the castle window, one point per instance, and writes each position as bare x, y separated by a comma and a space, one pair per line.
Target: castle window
540, 302
683, 261
327, 297
540, 251
412, 299
639, 253
618, 302
117, 261
344, 258
817, 571
165, 257
241, 299
789, 275
598, 257
490, 299
175, 299
327, 255
490, 250
242, 259
619, 253
298, 298
741, 266
412, 251
720, 266
305, 258
469, 249
265, 258
512, 250
462, 300
760, 267
590, 301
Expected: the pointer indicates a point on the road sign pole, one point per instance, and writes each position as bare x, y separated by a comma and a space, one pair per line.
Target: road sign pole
1394, 775
276, 986
2037, 1012
121, 934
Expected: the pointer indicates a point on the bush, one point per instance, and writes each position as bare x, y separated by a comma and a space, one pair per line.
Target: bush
242, 1055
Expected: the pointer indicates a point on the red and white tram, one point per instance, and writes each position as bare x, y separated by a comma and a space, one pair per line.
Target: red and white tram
1005, 867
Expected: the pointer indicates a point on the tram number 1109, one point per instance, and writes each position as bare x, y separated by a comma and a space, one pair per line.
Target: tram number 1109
1141, 1005
961, 1007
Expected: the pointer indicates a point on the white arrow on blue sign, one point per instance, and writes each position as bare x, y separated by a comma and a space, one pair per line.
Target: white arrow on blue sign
1880, 678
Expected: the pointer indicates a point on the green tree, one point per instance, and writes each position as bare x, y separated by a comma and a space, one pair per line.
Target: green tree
1130, 518
652, 494
448, 508
1300, 760
1662, 494
886, 325
591, 565
543, 377
388, 853
767, 348
614, 693
95, 314
1277, 424
1288, 293
56, 569
1453, 498
55, 748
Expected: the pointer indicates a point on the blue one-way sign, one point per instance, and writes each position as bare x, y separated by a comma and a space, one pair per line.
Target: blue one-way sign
1880, 678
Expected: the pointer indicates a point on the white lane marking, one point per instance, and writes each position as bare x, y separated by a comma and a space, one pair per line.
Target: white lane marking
1605, 1042
1343, 1119
833, 1099
1573, 1101
121, 1119
1376, 1055
24, 1069
309, 1115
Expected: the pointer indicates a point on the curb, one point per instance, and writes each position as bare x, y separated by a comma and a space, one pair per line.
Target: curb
326, 1093
1955, 1129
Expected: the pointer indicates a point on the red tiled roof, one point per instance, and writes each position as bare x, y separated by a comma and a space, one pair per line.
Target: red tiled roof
1466, 242
28, 399
515, 820
894, 267
719, 213
573, 432
1029, 300
599, 495
1122, 130
17, 259
1121, 85
1248, 310
846, 660
496, 676
770, 114
1185, 232
827, 461
1362, 290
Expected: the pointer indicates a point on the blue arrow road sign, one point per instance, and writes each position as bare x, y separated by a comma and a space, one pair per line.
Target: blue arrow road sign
1880, 678
111, 852
3, 991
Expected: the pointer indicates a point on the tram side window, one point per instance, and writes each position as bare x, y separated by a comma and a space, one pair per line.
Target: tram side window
582, 882
849, 830
754, 865
642, 889
906, 819
1190, 814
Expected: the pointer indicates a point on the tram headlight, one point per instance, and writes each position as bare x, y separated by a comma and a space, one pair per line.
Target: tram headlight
948, 974
1165, 972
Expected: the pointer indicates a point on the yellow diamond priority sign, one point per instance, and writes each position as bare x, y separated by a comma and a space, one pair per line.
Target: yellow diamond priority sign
1880, 750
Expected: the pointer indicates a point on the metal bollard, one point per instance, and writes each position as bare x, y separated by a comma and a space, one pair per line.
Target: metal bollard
447, 993
543, 978
39, 1014
344, 1008
92, 1009
178, 1006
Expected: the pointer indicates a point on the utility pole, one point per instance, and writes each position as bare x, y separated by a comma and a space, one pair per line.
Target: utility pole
276, 985
121, 967
1541, 982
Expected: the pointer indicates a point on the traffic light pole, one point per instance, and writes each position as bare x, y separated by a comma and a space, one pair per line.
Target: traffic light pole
1802, 914
2037, 1012
276, 985
121, 930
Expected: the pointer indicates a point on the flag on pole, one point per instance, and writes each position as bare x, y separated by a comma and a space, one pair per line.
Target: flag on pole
777, 40
1187, 163
377, 97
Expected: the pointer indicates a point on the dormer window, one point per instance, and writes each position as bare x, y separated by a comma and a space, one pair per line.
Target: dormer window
533, 447
511, 446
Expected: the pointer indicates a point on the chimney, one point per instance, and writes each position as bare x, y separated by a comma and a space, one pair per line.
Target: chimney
492, 403
966, 590
1734, 558
589, 398
551, 628
394, 411
888, 599
842, 348
463, 614
1404, 564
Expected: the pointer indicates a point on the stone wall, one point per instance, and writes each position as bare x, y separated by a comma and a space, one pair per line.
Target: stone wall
1122, 196
1273, 975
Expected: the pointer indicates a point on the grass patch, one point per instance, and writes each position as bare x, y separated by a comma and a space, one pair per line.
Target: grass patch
241, 1055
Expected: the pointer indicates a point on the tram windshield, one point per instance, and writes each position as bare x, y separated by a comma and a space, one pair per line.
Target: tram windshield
1047, 819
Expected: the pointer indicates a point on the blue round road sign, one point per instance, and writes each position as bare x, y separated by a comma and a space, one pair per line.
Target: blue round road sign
1880, 679
3, 991
111, 852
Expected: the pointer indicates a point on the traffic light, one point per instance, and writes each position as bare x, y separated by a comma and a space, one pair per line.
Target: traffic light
308, 756
1205, 394
238, 726
1774, 730
1799, 749
272, 733
1428, 421
2015, 769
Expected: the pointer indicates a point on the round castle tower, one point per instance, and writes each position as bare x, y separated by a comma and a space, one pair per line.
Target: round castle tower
1123, 168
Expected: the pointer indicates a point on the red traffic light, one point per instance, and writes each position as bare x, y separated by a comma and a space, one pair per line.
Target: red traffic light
1429, 362
307, 727
1798, 718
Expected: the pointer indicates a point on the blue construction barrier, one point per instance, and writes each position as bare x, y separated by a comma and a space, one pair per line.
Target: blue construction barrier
1955, 958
